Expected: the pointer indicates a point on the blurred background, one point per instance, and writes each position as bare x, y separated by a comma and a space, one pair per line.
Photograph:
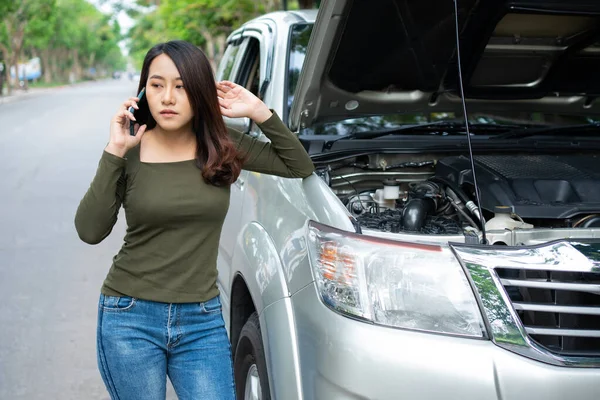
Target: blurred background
45, 43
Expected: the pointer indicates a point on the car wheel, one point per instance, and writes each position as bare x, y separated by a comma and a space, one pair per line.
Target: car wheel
250, 367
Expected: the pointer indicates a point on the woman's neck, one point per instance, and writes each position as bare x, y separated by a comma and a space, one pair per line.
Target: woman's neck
179, 139
159, 145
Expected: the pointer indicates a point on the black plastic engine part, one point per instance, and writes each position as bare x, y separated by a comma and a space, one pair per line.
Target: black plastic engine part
415, 212
391, 221
536, 186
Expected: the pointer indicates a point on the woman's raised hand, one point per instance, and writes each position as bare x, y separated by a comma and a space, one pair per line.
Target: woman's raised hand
120, 139
236, 102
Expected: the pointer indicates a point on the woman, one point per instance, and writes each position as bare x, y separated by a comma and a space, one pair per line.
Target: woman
159, 312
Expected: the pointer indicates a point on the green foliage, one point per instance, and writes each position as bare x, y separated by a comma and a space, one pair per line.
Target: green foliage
70, 36
148, 31
7, 6
201, 22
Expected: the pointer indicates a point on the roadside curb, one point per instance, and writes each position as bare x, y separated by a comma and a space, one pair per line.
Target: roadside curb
21, 95
18, 94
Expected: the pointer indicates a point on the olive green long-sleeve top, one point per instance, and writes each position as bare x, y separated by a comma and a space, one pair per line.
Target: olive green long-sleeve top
174, 218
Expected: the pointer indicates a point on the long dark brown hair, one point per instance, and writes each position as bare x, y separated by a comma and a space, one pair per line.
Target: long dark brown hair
216, 154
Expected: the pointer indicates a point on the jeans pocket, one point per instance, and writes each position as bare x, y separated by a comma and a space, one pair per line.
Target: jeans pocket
117, 303
212, 306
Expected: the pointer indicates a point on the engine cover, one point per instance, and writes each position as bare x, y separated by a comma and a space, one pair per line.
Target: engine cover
537, 186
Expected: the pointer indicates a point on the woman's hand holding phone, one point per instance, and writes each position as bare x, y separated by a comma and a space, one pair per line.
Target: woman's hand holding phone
121, 141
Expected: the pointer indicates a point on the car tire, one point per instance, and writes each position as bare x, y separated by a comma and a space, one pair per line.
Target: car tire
250, 364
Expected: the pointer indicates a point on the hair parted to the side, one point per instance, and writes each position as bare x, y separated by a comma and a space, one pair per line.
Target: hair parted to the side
216, 154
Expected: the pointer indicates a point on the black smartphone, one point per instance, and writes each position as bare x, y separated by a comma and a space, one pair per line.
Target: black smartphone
131, 110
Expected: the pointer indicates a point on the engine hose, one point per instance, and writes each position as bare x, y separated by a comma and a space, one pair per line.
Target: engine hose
585, 219
471, 206
415, 212
465, 216
455, 188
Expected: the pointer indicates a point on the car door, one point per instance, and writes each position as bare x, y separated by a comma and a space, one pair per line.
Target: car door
228, 70
247, 70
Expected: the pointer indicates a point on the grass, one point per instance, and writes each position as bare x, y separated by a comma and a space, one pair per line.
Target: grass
41, 84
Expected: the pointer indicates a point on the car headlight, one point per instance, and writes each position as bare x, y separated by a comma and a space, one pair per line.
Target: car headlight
393, 283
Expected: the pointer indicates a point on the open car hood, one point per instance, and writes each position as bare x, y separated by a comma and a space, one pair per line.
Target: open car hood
380, 57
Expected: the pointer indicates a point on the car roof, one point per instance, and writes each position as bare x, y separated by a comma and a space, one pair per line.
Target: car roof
283, 17
307, 15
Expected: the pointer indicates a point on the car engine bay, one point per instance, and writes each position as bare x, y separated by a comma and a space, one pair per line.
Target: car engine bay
524, 197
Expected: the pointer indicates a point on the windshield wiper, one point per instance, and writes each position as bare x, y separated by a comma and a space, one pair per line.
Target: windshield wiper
552, 130
439, 128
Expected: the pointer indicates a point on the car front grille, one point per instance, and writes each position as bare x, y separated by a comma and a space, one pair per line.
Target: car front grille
559, 310
540, 301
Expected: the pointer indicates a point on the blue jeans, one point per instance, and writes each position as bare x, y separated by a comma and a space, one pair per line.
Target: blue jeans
141, 342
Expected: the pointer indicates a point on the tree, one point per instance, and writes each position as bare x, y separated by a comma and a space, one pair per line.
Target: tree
15, 20
83, 39
303, 4
69, 36
149, 30
205, 23
39, 35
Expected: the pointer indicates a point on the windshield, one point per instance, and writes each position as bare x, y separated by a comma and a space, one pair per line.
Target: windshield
378, 122
299, 37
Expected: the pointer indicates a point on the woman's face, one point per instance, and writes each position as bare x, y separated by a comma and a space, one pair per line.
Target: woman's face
166, 96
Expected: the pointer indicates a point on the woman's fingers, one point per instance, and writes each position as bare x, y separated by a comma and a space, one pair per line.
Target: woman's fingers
123, 115
228, 84
225, 104
130, 115
139, 132
224, 93
226, 112
131, 103
227, 88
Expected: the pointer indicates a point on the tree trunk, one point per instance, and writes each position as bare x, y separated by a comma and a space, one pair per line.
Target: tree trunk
221, 41
53, 64
7, 77
63, 64
210, 49
16, 58
273, 5
92, 59
6, 57
76, 66
306, 3
14, 63
16, 44
45, 57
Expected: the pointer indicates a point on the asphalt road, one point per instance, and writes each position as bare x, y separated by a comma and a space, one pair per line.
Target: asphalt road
50, 144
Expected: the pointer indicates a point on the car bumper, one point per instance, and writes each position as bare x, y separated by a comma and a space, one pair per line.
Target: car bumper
340, 358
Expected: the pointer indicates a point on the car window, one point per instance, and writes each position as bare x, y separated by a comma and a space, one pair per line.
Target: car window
243, 68
249, 71
227, 62
299, 36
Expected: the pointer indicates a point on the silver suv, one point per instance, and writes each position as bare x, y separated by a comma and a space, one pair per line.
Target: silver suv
426, 258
